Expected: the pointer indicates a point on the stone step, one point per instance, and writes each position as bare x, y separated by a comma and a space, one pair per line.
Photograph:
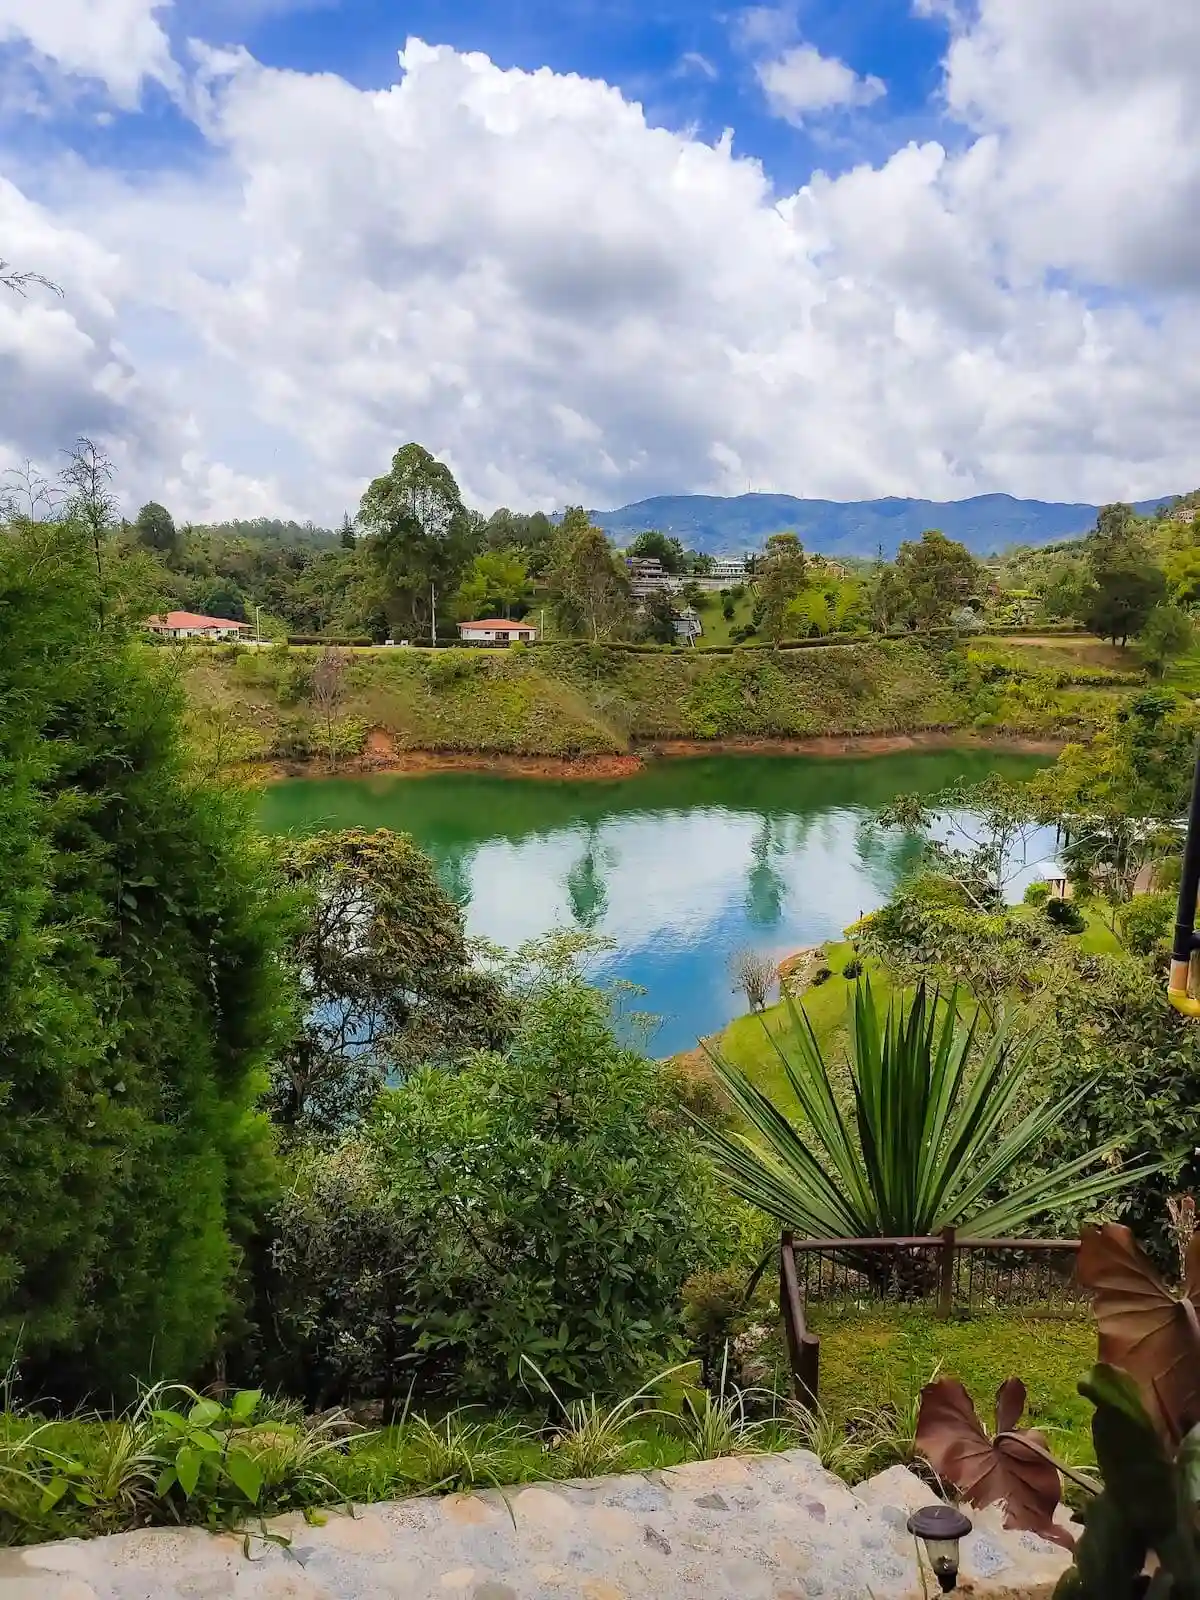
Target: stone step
771, 1527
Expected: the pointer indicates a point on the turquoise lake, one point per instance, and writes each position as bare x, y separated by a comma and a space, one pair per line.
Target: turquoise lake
679, 866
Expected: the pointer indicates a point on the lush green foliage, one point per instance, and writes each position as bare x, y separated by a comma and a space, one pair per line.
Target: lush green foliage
387, 978
547, 1203
936, 1136
419, 537
140, 992
589, 587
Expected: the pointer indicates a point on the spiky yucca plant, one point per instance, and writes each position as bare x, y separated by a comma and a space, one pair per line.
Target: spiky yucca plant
929, 1138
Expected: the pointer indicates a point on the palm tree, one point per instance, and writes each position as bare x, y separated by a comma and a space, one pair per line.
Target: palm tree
930, 1138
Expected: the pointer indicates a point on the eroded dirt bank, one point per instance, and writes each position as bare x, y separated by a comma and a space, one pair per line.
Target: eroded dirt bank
383, 758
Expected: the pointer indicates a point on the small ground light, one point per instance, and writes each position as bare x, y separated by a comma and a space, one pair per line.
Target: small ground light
940, 1528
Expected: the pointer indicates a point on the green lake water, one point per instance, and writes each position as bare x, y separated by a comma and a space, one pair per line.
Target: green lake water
679, 866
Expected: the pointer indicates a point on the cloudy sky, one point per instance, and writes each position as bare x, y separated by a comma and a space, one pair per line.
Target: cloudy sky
591, 250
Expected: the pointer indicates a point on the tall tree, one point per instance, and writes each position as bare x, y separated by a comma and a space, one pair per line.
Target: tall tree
780, 579
1126, 585
935, 575
420, 535
589, 588
155, 528
141, 993
346, 536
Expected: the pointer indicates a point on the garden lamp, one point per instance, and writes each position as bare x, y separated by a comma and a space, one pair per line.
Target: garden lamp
940, 1528
1186, 944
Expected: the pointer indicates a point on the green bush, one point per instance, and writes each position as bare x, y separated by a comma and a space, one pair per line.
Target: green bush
1037, 895
852, 969
1065, 914
140, 994
547, 1202
1146, 924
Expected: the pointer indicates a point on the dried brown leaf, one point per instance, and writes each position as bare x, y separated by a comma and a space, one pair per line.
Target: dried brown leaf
1152, 1334
1006, 1470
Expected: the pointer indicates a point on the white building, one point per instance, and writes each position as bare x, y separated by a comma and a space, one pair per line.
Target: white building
495, 630
190, 625
729, 569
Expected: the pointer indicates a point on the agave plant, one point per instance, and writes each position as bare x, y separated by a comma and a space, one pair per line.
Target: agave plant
930, 1140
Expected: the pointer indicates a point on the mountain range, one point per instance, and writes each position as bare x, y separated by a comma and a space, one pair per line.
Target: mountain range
729, 525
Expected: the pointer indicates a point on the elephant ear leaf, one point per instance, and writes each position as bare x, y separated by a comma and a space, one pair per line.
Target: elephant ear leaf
1010, 1470
1150, 1333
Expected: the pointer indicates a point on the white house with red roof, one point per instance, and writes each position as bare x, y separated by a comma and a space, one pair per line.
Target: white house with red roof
190, 625
495, 630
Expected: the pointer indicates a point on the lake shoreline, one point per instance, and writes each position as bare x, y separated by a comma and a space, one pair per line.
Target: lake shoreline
382, 759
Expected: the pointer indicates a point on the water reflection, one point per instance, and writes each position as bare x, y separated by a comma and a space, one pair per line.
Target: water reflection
679, 866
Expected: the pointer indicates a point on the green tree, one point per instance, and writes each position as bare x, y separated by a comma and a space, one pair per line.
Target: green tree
1183, 575
658, 618
155, 528
1167, 632
1126, 585
934, 575
652, 543
346, 536
1121, 601
387, 976
780, 579
420, 535
498, 579
141, 993
589, 587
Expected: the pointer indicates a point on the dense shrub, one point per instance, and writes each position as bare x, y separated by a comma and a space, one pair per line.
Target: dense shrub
1146, 924
140, 994
549, 1202
852, 969
1065, 914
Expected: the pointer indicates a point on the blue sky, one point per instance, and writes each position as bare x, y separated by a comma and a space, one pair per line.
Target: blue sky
948, 246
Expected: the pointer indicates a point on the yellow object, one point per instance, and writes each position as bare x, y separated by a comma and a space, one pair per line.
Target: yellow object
1177, 990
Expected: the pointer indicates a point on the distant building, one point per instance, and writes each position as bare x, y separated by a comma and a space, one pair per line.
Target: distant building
730, 569
688, 626
647, 576
189, 625
496, 631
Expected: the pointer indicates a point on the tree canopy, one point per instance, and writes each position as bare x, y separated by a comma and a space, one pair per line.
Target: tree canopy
420, 537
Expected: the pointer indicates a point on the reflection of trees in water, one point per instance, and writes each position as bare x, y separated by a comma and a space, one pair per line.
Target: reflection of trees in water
766, 887
453, 868
586, 888
886, 854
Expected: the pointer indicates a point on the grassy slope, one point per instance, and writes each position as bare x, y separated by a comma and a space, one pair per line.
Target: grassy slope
568, 700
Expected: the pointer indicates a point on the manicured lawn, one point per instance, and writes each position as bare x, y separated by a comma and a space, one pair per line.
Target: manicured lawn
874, 1356
745, 1042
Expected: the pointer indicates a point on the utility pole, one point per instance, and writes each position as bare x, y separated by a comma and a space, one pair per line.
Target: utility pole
257, 627
433, 612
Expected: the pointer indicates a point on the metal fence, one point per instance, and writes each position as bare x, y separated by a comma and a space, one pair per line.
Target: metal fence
941, 1271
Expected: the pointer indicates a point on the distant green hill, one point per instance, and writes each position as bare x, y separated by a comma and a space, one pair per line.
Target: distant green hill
986, 524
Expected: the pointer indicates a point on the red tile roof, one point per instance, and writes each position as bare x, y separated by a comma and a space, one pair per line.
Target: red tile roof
190, 619
494, 623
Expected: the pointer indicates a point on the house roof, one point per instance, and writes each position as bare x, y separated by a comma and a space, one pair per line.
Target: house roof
492, 623
191, 619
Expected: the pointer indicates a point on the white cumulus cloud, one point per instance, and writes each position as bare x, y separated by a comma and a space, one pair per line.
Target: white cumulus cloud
802, 81
118, 42
569, 304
